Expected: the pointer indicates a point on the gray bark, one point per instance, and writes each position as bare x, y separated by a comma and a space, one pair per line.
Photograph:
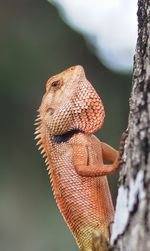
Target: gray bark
131, 229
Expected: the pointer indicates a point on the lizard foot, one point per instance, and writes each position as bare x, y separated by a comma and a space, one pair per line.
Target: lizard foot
99, 242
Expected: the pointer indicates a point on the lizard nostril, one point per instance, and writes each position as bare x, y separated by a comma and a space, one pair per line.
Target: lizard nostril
50, 110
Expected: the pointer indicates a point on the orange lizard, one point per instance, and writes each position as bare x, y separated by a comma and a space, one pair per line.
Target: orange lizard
70, 112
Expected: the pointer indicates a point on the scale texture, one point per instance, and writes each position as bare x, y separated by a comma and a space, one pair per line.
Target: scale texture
70, 112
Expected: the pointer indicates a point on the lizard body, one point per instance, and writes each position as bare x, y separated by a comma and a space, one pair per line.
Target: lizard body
70, 112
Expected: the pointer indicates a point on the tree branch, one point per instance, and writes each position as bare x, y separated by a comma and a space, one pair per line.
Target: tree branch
131, 229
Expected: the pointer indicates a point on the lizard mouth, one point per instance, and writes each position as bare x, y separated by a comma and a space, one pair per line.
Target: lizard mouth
65, 136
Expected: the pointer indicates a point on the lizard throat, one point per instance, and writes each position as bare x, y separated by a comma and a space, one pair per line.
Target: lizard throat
58, 139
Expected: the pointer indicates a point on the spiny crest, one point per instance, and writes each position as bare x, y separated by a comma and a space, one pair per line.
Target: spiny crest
37, 130
38, 136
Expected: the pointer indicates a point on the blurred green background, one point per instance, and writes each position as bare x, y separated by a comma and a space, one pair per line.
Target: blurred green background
35, 44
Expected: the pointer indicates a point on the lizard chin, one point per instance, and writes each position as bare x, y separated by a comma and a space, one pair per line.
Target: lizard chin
65, 136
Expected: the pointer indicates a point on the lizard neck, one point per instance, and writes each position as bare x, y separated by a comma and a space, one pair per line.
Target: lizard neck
64, 137
51, 144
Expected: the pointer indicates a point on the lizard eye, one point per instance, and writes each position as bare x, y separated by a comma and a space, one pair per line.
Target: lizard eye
55, 84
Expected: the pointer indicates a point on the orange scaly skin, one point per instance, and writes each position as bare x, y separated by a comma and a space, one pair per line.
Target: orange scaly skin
70, 112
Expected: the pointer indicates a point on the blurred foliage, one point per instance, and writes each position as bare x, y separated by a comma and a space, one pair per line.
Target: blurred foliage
35, 44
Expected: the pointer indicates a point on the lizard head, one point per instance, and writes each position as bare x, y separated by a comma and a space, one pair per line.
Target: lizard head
71, 103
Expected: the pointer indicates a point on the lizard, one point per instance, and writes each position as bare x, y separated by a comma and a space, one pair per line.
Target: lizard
70, 112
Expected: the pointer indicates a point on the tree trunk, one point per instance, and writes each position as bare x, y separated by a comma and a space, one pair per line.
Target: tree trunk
131, 228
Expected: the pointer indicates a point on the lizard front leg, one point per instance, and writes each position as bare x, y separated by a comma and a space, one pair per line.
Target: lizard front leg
85, 168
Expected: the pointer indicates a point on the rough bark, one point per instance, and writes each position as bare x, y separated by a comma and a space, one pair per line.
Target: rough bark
131, 229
